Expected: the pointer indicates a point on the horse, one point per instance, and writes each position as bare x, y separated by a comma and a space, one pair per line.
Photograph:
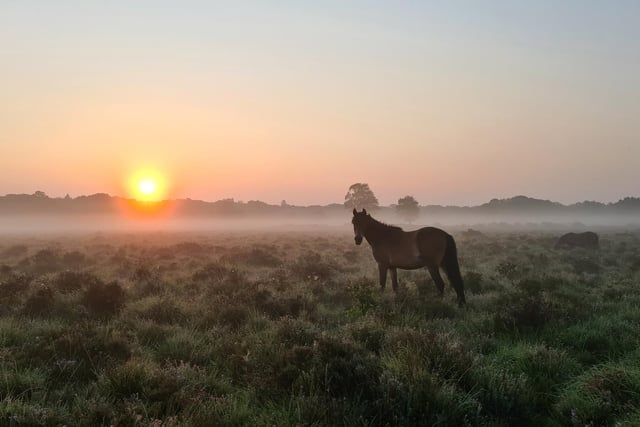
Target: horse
395, 248
588, 240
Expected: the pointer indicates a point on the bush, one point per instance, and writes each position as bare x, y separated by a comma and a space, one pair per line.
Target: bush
233, 316
45, 261
15, 285
15, 251
296, 332
508, 269
366, 297
73, 259
40, 302
160, 310
211, 272
473, 282
103, 300
71, 281
602, 395
526, 309
312, 266
342, 369
256, 256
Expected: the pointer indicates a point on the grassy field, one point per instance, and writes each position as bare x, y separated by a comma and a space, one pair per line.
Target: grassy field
292, 329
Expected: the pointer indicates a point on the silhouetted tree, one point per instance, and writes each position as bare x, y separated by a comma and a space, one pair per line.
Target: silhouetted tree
40, 194
408, 208
360, 196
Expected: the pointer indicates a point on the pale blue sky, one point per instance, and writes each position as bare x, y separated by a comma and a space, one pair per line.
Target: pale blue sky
452, 102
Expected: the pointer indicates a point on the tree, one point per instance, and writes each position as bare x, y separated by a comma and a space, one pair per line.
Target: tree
360, 196
408, 208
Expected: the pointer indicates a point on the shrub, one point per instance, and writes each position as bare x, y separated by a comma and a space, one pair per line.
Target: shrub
585, 264
365, 295
15, 285
601, 395
233, 316
279, 307
473, 282
79, 353
342, 369
103, 300
70, 281
128, 379
15, 251
296, 332
256, 256
312, 266
45, 261
507, 269
526, 309
160, 310
211, 272
5, 270
40, 302
73, 259
369, 334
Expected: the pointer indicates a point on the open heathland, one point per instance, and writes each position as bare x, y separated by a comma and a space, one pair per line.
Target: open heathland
276, 328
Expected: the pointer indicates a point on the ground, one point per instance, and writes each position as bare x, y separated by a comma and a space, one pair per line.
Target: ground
292, 329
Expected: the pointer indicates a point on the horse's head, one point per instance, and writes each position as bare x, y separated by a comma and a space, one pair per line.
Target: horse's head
360, 221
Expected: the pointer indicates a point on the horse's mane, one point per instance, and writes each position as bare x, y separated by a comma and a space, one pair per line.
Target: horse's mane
382, 227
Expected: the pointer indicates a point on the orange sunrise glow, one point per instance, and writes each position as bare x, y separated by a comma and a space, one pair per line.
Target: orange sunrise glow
147, 186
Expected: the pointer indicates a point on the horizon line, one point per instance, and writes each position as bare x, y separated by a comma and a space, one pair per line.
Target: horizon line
34, 194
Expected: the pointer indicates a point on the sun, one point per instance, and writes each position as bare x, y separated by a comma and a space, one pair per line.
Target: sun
147, 186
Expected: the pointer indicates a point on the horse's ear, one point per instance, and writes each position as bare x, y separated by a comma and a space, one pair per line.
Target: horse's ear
364, 211
355, 211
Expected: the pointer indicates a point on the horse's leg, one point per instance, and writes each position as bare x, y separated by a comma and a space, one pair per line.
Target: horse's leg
434, 271
382, 269
394, 279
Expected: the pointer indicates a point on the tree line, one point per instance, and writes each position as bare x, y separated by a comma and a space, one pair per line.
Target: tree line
360, 196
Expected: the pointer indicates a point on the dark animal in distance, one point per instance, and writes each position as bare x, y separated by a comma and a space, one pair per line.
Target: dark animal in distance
588, 240
395, 248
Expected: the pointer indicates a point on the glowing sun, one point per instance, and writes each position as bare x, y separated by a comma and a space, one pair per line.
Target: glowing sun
146, 186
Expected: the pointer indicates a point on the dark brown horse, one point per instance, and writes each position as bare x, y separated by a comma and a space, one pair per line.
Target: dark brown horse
394, 248
588, 240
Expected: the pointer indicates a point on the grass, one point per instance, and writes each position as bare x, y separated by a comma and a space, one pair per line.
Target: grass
292, 329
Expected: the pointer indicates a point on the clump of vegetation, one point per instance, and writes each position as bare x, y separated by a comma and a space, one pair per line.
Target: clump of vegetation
40, 302
73, 259
256, 256
72, 281
601, 395
526, 309
45, 261
102, 299
15, 285
15, 251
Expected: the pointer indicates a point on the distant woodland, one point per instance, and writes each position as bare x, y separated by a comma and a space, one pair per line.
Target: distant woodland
519, 208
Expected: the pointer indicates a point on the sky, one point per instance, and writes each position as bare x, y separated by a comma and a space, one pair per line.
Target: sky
454, 102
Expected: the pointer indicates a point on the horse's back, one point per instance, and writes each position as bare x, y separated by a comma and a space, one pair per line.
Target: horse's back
432, 243
587, 239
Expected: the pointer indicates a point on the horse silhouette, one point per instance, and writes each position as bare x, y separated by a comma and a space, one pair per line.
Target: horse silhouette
588, 240
395, 248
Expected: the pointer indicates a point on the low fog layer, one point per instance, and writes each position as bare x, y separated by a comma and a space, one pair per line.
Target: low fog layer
38, 213
59, 224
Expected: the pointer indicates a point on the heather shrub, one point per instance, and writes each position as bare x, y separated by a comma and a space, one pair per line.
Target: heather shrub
104, 300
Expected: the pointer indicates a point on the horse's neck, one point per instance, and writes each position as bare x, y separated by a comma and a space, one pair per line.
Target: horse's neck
377, 233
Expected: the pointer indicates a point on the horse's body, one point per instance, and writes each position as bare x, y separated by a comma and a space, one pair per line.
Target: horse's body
395, 248
588, 240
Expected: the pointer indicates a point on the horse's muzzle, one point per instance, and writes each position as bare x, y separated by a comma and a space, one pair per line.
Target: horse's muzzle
358, 239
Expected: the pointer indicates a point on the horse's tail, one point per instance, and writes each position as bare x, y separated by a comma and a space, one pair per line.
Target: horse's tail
452, 268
